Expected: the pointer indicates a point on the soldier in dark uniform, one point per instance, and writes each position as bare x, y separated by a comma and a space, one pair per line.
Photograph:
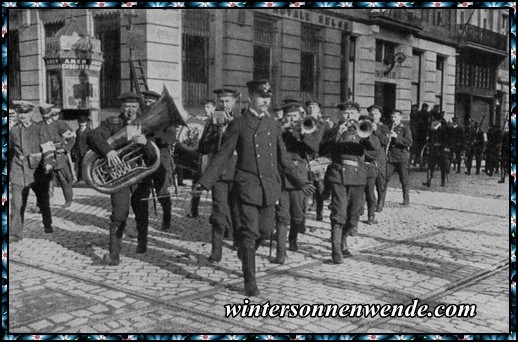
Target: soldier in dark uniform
161, 179
81, 147
439, 150
504, 155
64, 140
97, 140
474, 146
372, 158
399, 153
382, 133
261, 155
299, 145
225, 214
315, 110
31, 151
346, 176
494, 144
13, 118
422, 125
457, 139
278, 113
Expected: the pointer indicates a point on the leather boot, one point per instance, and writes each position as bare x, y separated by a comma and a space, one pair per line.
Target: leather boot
428, 179
336, 243
294, 231
381, 201
302, 227
458, 168
282, 232
195, 201
372, 220
345, 248
142, 239
248, 266
113, 258
406, 196
443, 179
217, 246
166, 218
468, 172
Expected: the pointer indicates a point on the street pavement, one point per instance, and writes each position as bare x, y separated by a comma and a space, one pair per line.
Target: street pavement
446, 247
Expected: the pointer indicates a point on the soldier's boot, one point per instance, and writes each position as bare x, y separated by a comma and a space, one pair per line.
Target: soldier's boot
336, 243
502, 175
294, 231
302, 226
479, 164
320, 208
113, 258
282, 232
458, 168
428, 179
166, 217
372, 220
247, 251
142, 231
195, 202
468, 171
345, 248
381, 201
443, 179
217, 246
406, 196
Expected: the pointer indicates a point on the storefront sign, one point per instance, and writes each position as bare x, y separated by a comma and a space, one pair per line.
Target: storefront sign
380, 73
311, 18
73, 63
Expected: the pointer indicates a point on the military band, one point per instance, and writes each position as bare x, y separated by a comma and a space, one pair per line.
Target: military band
261, 168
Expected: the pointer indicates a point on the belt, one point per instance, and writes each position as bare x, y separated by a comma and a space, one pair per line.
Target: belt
348, 162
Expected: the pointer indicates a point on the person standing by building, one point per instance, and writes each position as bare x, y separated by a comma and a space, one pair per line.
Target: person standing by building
134, 194
261, 155
81, 147
382, 133
494, 145
346, 176
225, 216
32, 151
439, 152
64, 140
457, 138
290, 210
399, 153
474, 147
504, 154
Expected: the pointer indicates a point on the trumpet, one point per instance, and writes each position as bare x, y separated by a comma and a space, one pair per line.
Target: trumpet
363, 128
306, 126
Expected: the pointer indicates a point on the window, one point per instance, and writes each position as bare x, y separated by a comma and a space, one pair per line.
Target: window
264, 39
15, 89
195, 56
505, 21
385, 52
416, 76
439, 80
52, 28
309, 61
348, 50
107, 30
462, 17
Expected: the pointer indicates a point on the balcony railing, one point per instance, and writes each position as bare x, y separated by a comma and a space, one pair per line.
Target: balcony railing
480, 36
402, 19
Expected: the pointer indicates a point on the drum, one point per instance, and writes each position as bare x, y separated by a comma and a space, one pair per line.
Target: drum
317, 168
186, 154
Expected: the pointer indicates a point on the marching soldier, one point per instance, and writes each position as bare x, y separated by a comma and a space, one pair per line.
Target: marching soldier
474, 147
32, 151
457, 137
439, 150
346, 176
161, 179
225, 214
278, 113
494, 144
299, 144
399, 153
382, 133
97, 140
64, 140
260, 155
81, 147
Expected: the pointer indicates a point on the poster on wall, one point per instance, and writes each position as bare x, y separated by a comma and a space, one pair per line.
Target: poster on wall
81, 91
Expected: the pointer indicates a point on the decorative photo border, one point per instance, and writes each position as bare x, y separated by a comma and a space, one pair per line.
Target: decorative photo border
307, 5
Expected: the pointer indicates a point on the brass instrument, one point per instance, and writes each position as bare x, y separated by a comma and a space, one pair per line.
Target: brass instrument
108, 179
363, 128
306, 126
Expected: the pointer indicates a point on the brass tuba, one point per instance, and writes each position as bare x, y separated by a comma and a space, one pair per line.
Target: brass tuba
133, 167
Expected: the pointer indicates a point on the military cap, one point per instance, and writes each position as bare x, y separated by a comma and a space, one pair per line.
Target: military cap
205, 101
454, 119
129, 97
291, 107
55, 111
261, 87
23, 106
288, 100
278, 107
12, 112
150, 93
348, 105
325, 115
311, 102
226, 92
45, 108
83, 118
374, 106
366, 117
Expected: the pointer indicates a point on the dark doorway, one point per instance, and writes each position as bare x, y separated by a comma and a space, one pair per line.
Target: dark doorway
385, 96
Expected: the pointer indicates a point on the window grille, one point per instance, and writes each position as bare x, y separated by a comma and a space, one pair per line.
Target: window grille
310, 47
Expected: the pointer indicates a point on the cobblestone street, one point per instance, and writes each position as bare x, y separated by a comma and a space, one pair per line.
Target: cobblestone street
445, 248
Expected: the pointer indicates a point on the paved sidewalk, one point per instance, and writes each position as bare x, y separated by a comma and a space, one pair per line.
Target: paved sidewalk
57, 283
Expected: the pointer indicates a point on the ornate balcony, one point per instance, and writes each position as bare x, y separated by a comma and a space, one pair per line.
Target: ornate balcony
482, 40
400, 19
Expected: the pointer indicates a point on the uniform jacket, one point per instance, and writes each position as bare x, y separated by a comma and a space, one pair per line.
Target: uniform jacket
456, 138
347, 147
164, 140
97, 139
80, 147
63, 145
399, 151
440, 142
261, 156
372, 157
299, 147
474, 139
209, 145
22, 142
